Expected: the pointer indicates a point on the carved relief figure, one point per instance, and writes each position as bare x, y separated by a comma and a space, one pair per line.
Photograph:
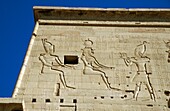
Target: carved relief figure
91, 64
168, 51
142, 76
52, 61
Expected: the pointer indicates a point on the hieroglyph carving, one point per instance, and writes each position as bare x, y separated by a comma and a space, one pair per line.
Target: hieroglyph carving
52, 61
168, 51
142, 63
91, 64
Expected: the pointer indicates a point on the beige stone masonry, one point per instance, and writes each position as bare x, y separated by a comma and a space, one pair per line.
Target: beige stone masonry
93, 59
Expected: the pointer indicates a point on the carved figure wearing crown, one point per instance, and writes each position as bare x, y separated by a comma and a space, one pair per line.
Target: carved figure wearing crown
52, 61
91, 64
142, 63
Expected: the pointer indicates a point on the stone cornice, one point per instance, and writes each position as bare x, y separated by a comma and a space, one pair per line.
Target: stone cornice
101, 14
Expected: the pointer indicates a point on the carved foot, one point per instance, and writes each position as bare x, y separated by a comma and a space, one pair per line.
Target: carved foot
70, 87
117, 89
134, 98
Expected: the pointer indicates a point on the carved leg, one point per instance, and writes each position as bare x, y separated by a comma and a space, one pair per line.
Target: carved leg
64, 81
150, 89
62, 78
153, 97
137, 89
151, 92
42, 69
57, 89
105, 79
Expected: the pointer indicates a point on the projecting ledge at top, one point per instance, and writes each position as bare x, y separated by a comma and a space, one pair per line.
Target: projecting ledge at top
101, 14
10, 100
11, 104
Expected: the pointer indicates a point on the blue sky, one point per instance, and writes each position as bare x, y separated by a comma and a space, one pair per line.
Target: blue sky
17, 23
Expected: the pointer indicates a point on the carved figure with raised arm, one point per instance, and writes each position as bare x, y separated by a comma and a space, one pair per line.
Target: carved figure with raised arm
142, 76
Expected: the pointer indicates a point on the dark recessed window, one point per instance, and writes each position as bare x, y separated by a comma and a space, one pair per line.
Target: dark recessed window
47, 100
61, 100
33, 100
70, 59
74, 100
167, 93
102, 97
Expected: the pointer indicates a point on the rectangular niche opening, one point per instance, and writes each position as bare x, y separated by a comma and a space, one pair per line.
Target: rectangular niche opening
74, 100
47, 100
61, 100
33, 100
70, 59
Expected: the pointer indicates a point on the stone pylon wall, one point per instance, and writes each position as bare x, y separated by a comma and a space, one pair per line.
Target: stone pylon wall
94, 67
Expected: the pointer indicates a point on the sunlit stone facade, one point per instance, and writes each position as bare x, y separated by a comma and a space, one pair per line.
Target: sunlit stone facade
92, 59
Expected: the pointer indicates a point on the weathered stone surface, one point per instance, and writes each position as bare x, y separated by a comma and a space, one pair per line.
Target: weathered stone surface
97, 60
